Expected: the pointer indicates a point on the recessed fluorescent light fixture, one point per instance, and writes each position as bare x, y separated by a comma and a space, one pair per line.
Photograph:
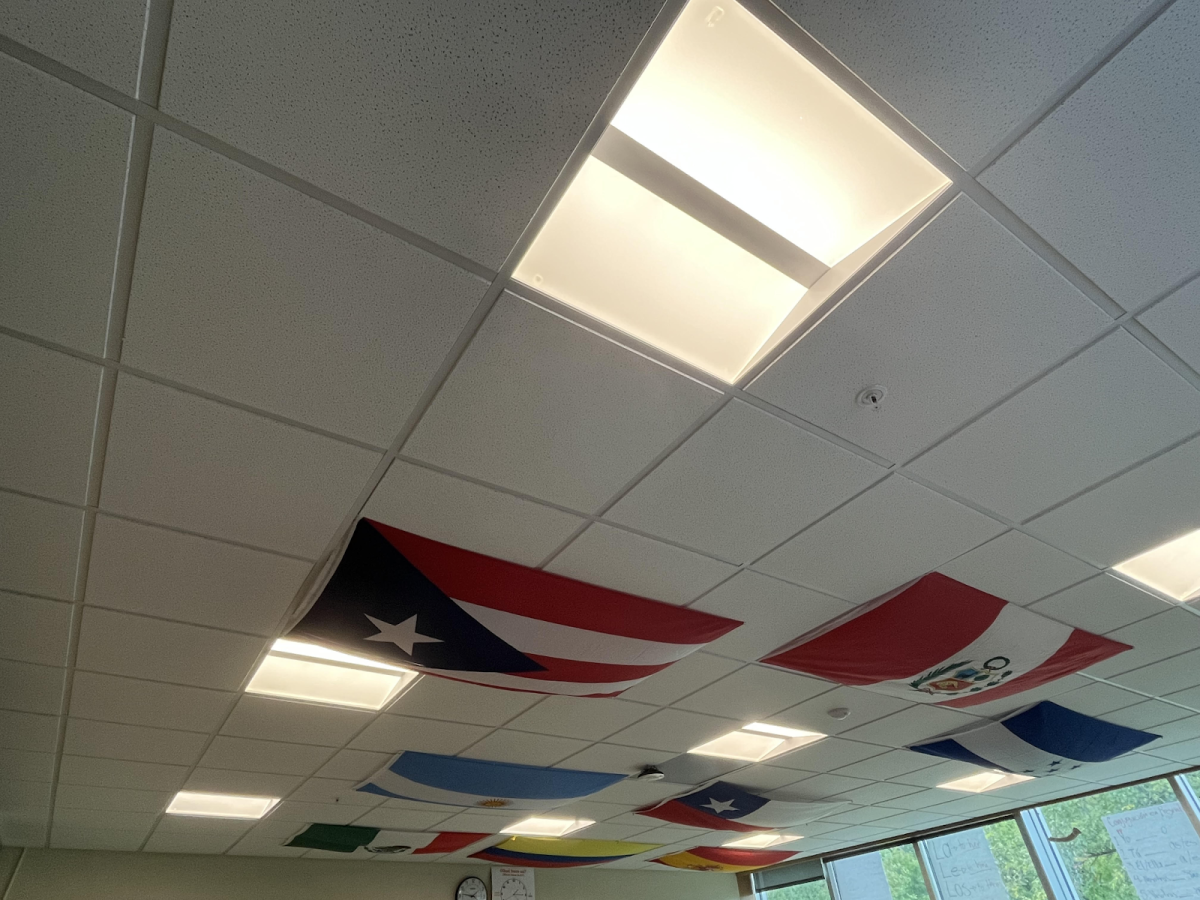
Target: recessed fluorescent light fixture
984, 781
761, 841
546, 826
1172, 568
220, 806
297, 671
735, 189
756, 742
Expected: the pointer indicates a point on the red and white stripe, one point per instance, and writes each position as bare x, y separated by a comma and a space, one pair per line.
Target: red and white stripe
931, 623
592, 641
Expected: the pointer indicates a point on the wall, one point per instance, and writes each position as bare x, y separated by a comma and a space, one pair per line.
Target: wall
100, 875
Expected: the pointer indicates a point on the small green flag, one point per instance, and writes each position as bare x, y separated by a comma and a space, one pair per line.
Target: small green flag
338, 838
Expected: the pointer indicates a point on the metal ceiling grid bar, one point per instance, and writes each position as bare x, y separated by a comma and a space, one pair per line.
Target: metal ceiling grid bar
1051, 872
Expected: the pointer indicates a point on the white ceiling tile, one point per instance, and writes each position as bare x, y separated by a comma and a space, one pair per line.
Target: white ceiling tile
163, 573
667, 835
580, 717
452, 125
391, 734
227, 781
250, 290
614, 758
523, 748
961, 316
1189, 698
822, 787
827, 755
133, 742
121, 773
765, 777
881, 793
1176, 322
859, 816
166, 651
939, 773
743, 483
64, 837
31, 688
1164, 677
181, 460
35, 630
542, 406
1050, 690
889, 535
1098, 699
638, 565
1156, 638
603, 832
480, 823
251, 846
117, 819
456, 701
755, 692
965, 73
170, 842
1098, 413
100, 39
245, 754
1131, 513
64, 154
680, 679
48, 406
911, 725
887, 765
331, 813
111, 798
464, 514
921, 798
1147, 715
673, 729
27, 765
404, 819
112, 698
28, 731
334, 790
1017, 568
634, 794
773, 612
355, 765
302, 723
38, 545
26, 796
1109, 177
864, 706
1101, 604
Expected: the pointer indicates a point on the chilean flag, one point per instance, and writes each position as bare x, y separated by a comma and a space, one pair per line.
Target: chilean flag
937, 640
721, 806
406, 600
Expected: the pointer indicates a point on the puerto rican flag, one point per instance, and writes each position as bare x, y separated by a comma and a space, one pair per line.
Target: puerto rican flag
406, 600
721, 806
937, 640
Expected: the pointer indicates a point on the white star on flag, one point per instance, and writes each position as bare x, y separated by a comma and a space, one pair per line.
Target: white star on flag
403, 634
720, 806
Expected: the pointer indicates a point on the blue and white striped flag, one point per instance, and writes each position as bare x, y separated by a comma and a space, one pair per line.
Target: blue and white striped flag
1043, 739
454, 781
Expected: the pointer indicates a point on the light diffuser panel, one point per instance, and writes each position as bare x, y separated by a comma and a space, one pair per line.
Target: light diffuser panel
297, 671
1172, 568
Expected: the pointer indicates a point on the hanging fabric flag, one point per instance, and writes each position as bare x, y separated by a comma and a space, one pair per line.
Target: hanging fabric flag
350, 838
724, 859
1044, 739
559, 853
721, 806
455, 781
406, 600
937, 640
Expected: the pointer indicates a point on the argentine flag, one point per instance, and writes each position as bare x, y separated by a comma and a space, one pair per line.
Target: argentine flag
454, 781
1044, 739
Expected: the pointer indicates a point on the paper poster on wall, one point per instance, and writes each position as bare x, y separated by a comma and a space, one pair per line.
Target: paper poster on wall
512, 883
963, 867
860, 878
1160, 851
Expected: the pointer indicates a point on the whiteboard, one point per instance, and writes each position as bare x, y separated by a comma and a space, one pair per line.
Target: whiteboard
1160, 851
860, 878
963, 867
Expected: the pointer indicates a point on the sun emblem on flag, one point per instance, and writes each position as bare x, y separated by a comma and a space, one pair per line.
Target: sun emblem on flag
964, 677
493, 803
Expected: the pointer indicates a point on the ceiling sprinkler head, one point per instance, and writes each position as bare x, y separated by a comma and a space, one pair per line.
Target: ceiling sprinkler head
872, 397
651, 773
839, 712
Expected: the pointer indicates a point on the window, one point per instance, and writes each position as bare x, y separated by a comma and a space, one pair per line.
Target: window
891, 874
988, 863
809, 890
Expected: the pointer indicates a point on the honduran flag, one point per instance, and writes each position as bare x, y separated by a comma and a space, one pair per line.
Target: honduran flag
937, 640
406, 600
353, 838
559, 853
721, 806
724, 859
456, 781
1044, 739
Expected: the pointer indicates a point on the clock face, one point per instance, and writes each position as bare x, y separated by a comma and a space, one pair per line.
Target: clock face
514, 889
471, 888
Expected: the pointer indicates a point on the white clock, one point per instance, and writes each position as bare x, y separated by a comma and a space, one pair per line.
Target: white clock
471, 888
514, 889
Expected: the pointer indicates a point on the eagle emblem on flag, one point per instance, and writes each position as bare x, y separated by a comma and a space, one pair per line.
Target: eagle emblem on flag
963, 677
